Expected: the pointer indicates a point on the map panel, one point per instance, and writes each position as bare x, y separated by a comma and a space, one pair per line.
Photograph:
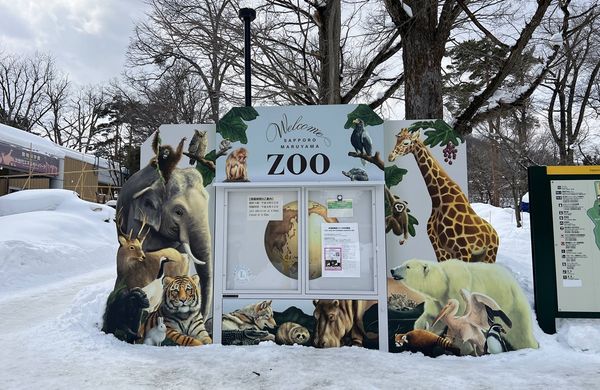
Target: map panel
576, 229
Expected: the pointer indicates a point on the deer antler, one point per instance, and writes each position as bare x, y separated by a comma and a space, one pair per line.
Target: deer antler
118, 222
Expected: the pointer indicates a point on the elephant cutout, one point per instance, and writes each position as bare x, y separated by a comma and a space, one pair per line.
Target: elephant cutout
176, 215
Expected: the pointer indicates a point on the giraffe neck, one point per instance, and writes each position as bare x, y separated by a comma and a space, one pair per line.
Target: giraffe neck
434, 175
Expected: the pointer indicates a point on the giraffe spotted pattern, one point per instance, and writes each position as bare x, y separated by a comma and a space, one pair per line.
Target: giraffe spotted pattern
454, 229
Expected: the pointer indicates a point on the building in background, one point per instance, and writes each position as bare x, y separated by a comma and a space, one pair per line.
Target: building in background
28, 161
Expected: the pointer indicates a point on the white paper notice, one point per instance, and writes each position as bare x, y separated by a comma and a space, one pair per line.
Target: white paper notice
265, 207
341, 252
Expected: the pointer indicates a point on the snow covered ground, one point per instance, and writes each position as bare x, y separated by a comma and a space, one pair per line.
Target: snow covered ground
57, 268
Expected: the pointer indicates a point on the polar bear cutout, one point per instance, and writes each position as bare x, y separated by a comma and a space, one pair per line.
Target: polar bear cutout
439, 282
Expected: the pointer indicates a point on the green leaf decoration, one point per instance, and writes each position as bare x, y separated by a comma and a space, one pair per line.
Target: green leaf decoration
393, 175
412, 221
437, 132
211, 156
233, 124
208, 175
365, 113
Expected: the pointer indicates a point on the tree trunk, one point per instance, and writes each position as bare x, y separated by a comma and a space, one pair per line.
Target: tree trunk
330, 26
422, 61
517, 207
494, 125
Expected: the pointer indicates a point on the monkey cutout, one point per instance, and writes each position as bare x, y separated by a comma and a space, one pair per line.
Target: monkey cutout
235, 166
397, 221
165, 157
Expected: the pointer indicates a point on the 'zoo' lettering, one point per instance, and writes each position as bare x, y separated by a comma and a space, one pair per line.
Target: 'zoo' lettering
316, 166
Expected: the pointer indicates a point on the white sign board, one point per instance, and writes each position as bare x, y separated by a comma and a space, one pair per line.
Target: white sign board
265, 207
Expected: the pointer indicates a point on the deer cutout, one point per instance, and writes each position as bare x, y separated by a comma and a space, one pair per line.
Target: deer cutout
137, 268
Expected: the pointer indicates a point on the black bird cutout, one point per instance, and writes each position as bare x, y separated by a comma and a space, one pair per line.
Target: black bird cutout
360, 139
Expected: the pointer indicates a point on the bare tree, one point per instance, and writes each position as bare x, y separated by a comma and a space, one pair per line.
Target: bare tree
572, 81
177, 97
84, 116
426, 28
52, 124
193, 32
517, 144
24, 84
323, 52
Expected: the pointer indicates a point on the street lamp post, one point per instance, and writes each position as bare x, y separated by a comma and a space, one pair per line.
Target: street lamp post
247, 15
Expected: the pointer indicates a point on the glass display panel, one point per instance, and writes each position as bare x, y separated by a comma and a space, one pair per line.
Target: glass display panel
340, 240
262, 240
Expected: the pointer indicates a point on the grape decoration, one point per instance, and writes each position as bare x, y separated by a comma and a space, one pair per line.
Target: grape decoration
450, 152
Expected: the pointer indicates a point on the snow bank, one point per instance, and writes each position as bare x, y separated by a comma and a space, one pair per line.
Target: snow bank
515, 253
49, 235
515, 243
34, 200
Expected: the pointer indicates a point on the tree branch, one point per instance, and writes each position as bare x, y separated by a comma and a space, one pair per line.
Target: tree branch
376, 159
464, 121
484, 30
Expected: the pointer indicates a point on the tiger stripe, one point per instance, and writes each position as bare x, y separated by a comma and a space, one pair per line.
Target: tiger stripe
180, 308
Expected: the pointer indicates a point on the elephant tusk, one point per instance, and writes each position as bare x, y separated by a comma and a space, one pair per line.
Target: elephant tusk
188, 251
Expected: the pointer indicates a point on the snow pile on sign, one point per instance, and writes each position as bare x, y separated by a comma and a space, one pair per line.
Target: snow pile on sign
52, 339
50, 235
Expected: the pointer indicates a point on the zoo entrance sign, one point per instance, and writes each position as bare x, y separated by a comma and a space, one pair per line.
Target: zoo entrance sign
314, 143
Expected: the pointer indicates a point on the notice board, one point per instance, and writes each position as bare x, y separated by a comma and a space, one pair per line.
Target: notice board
565, 232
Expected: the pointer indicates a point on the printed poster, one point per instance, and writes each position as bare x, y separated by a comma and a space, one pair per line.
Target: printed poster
341, 252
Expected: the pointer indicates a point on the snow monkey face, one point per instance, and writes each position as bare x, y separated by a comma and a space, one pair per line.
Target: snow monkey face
405, 144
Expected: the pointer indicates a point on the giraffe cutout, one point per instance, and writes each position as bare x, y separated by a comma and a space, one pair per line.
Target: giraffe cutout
454, 229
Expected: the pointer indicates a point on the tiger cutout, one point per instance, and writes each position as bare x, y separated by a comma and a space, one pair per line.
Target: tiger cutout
255, 316
180, 308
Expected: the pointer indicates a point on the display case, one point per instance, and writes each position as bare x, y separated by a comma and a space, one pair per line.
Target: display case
341, 243
299, 222
265, 228
261, 240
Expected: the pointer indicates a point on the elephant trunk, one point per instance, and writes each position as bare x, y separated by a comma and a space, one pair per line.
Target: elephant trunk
197, 243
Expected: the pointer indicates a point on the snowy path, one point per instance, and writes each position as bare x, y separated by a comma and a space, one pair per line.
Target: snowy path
54, 341
45, 302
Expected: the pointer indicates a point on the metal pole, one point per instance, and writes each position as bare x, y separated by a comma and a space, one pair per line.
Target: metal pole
247, 15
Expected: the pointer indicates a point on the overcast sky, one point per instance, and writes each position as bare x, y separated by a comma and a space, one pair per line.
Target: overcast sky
88, 38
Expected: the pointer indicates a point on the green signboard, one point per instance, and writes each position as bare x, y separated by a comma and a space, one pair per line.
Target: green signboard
565, 233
